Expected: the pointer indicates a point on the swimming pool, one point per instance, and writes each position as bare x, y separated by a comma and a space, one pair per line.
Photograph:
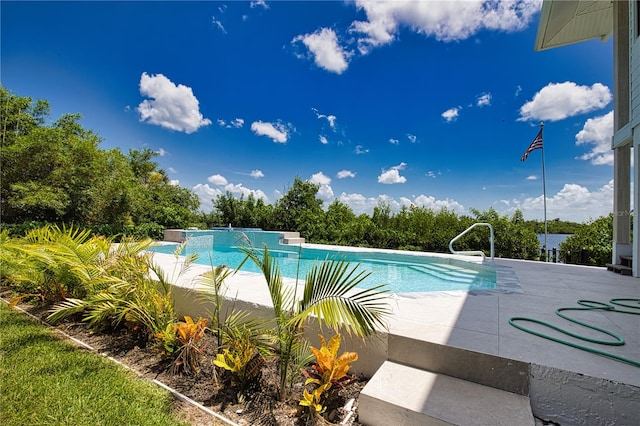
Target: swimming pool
400, 272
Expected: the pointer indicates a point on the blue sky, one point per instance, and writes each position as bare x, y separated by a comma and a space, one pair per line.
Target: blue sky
427, 103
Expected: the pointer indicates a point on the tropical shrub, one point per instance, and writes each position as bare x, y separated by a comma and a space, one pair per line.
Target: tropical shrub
328, 372
188, 339
329, 294
591, 244
137, 294
52, 264
241, 357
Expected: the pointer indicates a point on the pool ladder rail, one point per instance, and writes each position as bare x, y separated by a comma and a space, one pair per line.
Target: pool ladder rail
474, 252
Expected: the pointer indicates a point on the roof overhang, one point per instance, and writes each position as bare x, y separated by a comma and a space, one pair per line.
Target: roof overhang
565, 22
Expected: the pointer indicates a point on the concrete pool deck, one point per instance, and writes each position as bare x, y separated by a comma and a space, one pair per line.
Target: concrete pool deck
467, 335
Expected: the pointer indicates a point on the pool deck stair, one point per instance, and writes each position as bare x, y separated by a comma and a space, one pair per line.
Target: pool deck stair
622, 268
428, 383
291, 238
401, 395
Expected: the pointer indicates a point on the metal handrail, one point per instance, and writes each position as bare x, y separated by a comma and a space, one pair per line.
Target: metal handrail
474, 252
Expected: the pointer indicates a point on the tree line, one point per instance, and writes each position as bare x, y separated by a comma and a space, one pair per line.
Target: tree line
56, 172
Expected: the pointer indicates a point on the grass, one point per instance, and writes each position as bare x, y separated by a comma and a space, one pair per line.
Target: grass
47, 381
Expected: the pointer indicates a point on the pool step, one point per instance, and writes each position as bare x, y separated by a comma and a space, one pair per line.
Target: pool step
448, 273
291, 238
445, 272
402, 395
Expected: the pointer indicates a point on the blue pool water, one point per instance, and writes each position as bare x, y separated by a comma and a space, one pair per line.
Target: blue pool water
400, 272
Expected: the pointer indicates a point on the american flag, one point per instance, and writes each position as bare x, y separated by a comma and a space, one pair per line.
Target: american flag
536, 144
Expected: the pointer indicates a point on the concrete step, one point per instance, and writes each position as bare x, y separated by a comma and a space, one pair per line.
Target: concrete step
626, 261
619, 269
288, 234
293, 241
401, 395
291, 238
486, 369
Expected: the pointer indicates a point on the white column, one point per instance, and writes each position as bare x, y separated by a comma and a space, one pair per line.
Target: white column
621, 202
636, 197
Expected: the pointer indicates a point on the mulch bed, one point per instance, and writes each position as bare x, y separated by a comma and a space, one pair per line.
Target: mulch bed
256, 406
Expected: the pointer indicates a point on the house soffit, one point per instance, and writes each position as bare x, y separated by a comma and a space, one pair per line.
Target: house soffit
565, 22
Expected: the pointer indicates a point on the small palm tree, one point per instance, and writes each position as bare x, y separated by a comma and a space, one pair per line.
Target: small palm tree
330, 294
137, 294
53, 263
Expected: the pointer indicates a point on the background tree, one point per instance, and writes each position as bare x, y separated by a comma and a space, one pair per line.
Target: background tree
57, 173
300, 210
591, 244
249, 213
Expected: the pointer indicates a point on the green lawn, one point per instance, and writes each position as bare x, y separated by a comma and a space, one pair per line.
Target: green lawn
47, 381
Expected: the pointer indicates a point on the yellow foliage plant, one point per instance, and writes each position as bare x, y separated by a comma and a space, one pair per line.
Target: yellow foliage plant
188, 335
328, 371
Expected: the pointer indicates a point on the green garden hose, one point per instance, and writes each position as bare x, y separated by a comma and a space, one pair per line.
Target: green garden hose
589, 305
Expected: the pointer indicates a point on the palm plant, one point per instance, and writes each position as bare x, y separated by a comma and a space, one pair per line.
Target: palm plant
137, 294
214, 291
242, 343
53, 263
330, 294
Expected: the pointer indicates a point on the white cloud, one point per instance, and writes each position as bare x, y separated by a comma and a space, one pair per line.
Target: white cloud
331, 119
597, 132
241, 190
400, 166
557, 101
392, 175
358, 202
218, 23
394, 141
451, 114
484, 100
235, 123
345, 174
257, 174
323, 139
174, 182
443, 20
320, 179
261, 3
278, 132
327, 53
431, 174
532, 177
518, 90
361, 204
360, 150
573, 202
206, 194
172, 107
431, 202
171, 170
217, 180
412, 138
161, 152
325, 192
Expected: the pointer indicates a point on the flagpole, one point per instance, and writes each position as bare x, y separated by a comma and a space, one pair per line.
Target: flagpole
544, 200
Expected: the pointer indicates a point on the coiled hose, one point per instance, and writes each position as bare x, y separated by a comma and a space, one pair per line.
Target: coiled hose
588, 305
